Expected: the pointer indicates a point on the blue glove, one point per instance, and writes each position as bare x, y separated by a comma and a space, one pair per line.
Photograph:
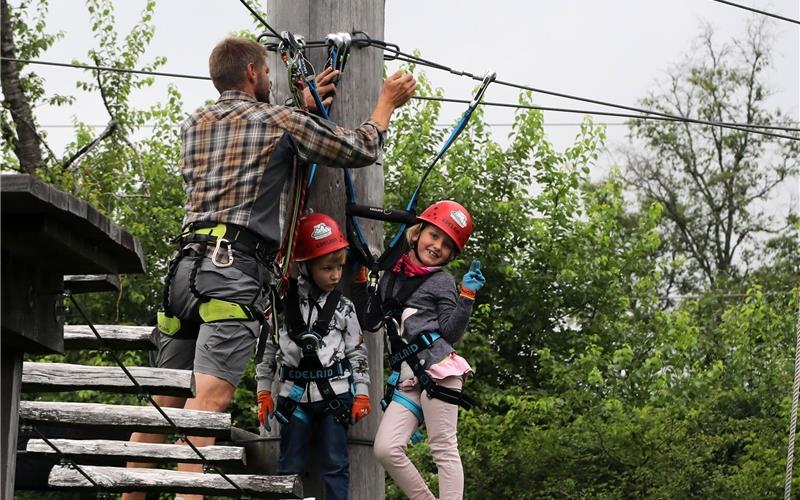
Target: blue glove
473, 279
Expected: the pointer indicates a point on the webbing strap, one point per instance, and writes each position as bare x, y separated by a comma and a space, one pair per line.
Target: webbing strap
399, 398
308, 339
355, 235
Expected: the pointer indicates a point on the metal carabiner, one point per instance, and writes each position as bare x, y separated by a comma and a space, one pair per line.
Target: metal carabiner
229, 261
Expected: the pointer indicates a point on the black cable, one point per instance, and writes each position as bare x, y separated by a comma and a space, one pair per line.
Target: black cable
416, 60
67, 459
143, 393
621, 115
105, 68
401, 56
261, 19
764, 13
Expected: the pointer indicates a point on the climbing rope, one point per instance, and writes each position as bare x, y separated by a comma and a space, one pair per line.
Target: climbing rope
787, 486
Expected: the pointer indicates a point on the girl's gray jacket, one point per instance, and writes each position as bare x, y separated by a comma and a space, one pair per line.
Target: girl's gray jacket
344, 340
435, 306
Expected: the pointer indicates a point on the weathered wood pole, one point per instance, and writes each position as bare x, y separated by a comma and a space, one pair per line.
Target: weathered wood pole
357, 93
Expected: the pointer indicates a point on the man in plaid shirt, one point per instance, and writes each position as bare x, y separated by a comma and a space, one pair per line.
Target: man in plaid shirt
239, 158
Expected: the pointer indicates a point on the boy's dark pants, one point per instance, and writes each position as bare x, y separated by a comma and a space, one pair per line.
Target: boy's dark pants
296, 438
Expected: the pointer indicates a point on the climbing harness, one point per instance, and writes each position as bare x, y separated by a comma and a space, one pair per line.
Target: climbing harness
194, 242
406, 217
310, 369
401, 352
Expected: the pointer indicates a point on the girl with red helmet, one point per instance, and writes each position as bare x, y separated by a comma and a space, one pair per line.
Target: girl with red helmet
320, 359
420, 301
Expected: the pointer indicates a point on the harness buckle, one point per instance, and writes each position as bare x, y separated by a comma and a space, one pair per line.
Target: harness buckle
229, 261
393, 323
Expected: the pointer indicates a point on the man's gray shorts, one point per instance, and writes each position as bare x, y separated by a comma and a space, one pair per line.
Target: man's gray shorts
222, 348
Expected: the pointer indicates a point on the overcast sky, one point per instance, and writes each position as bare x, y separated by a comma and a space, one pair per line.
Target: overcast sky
612, 50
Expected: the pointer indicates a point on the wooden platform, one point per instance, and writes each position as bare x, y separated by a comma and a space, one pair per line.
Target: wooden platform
120, 479
125, 418
60, 377
79, 449
116, 337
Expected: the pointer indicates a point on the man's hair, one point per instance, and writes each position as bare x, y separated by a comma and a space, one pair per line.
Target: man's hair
229, 60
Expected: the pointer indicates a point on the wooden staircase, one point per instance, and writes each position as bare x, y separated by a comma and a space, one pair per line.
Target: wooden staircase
95, 455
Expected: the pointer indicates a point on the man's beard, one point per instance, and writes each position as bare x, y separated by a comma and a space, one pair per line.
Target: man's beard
262, 96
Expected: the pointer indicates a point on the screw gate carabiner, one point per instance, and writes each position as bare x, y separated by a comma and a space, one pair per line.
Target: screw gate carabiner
229, 261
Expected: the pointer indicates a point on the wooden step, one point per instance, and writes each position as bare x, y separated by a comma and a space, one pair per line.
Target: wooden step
120, 479
118, 337
84, 283
59, 377
125, 418
81, 449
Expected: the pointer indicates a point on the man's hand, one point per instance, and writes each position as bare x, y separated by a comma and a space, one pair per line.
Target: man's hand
397, 90
265, 408
326, 88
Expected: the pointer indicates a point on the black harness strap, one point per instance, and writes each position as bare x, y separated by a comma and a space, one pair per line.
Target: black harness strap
310, 368
402, 351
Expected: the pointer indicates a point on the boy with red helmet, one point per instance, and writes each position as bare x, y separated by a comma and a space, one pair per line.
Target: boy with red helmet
424, 315
320, 359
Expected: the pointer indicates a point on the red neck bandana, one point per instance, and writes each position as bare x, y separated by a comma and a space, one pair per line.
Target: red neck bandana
407, 268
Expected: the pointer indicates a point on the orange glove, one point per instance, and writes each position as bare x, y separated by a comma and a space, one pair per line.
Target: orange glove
265, 407
361, 407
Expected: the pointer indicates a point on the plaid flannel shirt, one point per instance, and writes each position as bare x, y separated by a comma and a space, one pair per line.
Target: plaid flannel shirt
239, 155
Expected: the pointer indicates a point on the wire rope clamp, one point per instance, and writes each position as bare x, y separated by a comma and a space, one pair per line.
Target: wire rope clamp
488, 78
214, 257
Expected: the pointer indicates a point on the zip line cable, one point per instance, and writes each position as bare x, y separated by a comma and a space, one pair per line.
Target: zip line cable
763, 13
401, 56
144, 394
734, 126
106, 68
654, 115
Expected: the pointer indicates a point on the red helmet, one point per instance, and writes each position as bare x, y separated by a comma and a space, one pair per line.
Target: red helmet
450, 217
317, 235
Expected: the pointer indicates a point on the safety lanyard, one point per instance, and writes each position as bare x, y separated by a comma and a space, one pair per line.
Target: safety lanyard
405, 218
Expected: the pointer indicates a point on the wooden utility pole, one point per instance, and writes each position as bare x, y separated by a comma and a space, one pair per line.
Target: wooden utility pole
357, 93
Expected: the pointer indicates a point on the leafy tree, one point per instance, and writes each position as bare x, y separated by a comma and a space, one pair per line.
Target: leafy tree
713, 183
588, 386
24, 37
136, 184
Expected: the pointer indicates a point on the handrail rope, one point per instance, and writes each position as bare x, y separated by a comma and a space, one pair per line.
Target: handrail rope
66, 459
180, 434
653, 115
787, 486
